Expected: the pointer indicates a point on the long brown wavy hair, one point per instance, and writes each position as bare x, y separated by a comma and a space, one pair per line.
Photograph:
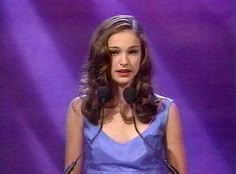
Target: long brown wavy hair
97, 71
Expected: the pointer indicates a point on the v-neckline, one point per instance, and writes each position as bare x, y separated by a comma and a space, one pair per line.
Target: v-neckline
143, 133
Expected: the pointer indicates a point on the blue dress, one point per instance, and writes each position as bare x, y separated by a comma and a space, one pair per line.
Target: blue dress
106, 156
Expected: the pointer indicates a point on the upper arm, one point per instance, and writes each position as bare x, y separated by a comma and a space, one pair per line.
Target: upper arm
74, 134
174, 140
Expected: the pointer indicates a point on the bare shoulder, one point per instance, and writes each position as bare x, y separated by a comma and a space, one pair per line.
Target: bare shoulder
74, 110
173, 121
76, 104
74, 132
174, 114
174, 139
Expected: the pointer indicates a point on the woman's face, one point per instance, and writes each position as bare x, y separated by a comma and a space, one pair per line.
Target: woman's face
125, 49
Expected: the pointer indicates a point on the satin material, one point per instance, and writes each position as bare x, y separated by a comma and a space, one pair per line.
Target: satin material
106, 156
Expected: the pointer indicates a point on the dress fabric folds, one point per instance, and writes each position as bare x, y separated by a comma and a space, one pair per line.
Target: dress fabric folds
106, 156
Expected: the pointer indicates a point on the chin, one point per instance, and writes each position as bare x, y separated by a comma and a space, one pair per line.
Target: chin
123, 83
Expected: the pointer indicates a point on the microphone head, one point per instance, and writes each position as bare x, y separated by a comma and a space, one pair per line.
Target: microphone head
104, 94
130, 95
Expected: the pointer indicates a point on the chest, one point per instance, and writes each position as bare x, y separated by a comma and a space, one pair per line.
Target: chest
119, 145
121, 132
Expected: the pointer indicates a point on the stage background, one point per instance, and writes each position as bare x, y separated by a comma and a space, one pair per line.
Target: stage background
43, 45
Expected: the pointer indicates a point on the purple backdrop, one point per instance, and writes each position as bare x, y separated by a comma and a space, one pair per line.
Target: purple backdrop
42, 48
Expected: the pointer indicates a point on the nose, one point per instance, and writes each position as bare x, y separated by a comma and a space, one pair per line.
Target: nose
124, 60
123, 64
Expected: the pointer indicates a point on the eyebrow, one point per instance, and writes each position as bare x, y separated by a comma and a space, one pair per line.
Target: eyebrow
134, 46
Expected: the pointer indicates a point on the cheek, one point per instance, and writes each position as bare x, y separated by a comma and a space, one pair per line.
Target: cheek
113, 63
136, 64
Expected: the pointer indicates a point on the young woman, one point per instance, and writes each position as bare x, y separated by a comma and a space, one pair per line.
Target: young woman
119, 58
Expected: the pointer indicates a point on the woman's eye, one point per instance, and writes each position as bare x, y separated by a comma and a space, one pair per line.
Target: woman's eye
133, 51
114, 52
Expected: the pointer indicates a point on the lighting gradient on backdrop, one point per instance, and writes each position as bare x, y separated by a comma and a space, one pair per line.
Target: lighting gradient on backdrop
44, 44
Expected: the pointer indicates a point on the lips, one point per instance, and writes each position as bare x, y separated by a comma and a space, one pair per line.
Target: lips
123, 72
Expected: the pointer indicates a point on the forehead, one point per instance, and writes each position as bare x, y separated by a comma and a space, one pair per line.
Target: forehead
124, 38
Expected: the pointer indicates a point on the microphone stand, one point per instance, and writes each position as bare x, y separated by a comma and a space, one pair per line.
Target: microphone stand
167, 164
70, 168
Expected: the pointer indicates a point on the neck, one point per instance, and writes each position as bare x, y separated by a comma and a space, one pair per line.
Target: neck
118, 92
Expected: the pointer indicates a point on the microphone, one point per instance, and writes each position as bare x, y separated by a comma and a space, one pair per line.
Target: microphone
104, 95
130, 96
